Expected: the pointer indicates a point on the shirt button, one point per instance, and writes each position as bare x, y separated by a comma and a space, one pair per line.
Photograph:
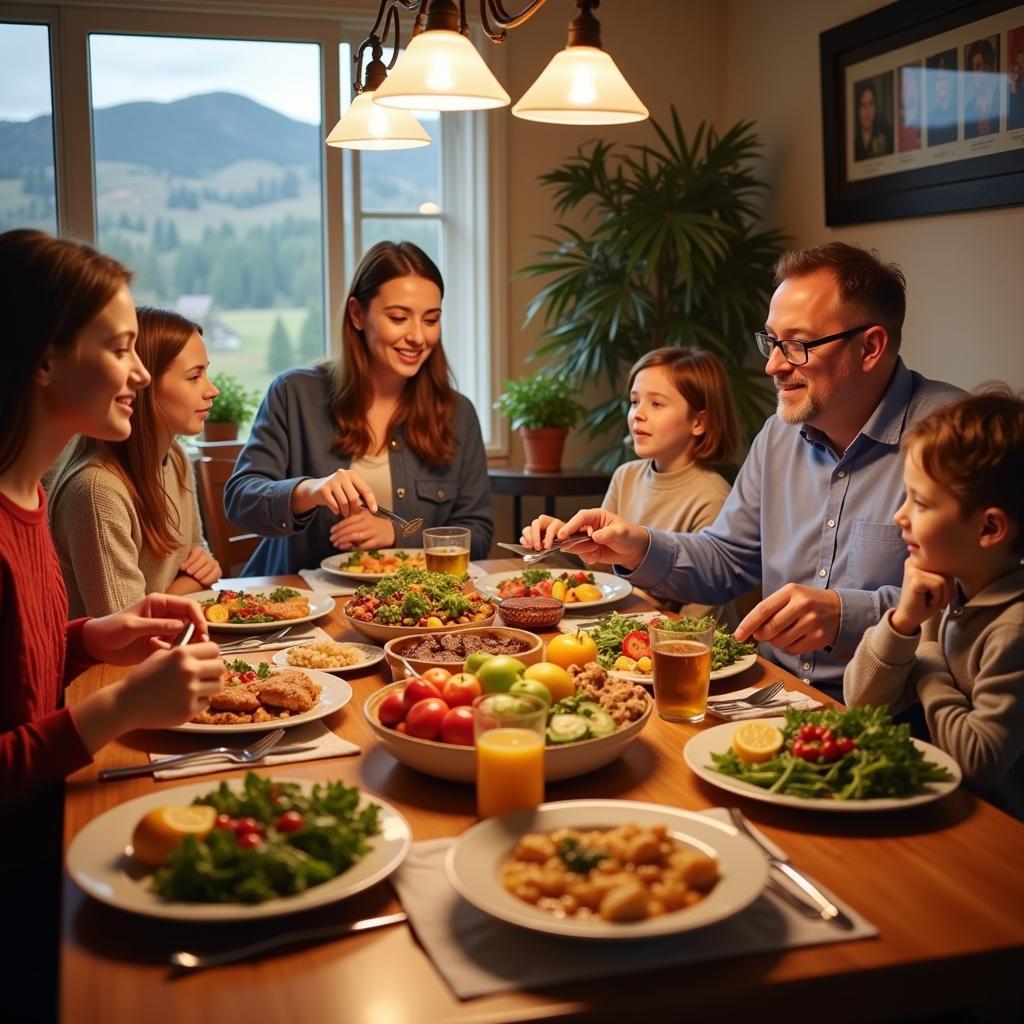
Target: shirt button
832, 523
440, 494
841, 474
399, 492
806, 666
823, 573
394, 446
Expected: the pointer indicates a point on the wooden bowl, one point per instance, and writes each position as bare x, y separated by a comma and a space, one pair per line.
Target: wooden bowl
458, 763
394, 650
382, 634
531, 612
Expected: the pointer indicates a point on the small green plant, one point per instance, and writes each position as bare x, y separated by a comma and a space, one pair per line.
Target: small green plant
540, 401
235, 403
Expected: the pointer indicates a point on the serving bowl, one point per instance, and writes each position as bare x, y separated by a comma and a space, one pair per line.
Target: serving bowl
458, 763
382, 634
394, 650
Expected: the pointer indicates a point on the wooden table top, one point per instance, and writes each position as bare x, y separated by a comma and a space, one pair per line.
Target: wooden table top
943, 883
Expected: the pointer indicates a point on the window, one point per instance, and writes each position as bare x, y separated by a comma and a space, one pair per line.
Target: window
28, 195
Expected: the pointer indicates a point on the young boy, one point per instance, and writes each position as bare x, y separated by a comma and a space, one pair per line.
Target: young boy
963, 522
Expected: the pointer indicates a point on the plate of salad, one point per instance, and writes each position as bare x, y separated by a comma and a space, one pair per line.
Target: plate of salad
573, 588
851, 760
313, 843
624, 646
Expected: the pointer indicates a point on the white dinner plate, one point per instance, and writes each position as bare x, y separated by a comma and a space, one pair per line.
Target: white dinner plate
718, 739
319, 604
335, 693
371, 655
473, 865
99, 862
333, 564
612, 588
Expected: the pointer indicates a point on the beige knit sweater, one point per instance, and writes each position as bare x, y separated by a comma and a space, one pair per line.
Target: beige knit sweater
683, 501
98, 537
967, 670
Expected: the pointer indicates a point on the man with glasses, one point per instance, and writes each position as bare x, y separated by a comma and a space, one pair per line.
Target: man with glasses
810, 514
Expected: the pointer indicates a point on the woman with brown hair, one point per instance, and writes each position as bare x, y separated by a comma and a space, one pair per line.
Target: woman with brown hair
123, 514
383, 420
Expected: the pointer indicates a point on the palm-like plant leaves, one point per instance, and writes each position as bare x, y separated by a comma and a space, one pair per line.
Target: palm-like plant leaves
670, 257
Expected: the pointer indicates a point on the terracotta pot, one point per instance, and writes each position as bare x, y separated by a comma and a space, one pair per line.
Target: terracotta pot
543, 447
220, 431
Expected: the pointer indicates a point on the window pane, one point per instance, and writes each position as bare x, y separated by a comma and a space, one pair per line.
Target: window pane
27, 194
425, 232
402, 180
208, 183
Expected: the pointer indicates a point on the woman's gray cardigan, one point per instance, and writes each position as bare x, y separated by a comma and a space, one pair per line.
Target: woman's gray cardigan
291, 440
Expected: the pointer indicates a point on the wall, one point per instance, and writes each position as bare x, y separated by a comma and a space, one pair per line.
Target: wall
964, 320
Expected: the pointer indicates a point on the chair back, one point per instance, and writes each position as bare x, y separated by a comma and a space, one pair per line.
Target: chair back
229, 545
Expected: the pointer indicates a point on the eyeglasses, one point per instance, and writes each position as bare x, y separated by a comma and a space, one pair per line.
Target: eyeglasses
796, 351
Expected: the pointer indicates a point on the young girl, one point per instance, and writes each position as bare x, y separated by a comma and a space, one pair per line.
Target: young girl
963, 523
385, 413
682, 418
124, 515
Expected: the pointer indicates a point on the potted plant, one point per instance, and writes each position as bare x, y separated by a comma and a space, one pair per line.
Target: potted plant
668, 255
542, 408
234, 406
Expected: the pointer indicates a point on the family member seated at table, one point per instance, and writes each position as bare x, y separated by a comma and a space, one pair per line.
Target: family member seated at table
124, 514
810, 513
383, 420
682, 420
963, 521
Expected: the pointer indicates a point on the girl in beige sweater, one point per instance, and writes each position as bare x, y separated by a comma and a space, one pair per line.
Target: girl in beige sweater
124, 515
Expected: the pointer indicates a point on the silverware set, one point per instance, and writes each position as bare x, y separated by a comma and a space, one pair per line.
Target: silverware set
407, 526
258, 640
763, 698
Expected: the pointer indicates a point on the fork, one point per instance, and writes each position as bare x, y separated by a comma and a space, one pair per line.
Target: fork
530, 556
253, 642
407, 526
241, 755
764, 697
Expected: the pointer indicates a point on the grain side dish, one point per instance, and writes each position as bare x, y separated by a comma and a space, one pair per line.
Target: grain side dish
325, 654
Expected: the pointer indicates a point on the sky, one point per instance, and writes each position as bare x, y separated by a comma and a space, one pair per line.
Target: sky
282, 76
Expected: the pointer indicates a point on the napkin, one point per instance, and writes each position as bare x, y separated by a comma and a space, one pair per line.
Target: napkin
784, 699
296, 636
317, 740
327, 583
478, 955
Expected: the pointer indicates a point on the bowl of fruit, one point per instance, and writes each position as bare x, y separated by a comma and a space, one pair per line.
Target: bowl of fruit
426, 723
417, 655
416, 602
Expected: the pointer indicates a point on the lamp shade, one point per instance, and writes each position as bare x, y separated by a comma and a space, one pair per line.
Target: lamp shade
581, 85
441, 70
368, 126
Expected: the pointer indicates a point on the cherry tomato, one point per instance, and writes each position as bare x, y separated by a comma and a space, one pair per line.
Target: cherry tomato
392, 709
846, 744
437, 676
418, 689
246, 826
248, 839
830, 750
225, 821
457, 726
288, 822
425, 717
636, 645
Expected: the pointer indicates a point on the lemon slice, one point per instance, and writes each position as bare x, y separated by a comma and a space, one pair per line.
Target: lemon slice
159, 832
755, 742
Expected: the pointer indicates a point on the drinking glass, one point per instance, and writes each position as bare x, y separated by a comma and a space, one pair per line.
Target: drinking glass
682, 672
447, 549
509, 731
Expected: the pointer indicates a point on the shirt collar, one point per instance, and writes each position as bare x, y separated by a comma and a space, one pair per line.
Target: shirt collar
1001, 591
885, 424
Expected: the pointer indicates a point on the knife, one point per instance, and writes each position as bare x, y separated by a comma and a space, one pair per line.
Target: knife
182, 760
824, 907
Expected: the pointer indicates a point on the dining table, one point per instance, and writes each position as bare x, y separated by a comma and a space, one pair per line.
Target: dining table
942, 882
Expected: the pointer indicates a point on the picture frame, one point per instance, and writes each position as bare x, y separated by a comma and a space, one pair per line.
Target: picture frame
923, 110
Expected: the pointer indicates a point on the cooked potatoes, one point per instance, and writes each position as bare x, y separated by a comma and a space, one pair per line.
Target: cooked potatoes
623, 874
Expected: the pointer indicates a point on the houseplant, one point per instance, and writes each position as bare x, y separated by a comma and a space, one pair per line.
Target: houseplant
542, 408
667, 255
234, 406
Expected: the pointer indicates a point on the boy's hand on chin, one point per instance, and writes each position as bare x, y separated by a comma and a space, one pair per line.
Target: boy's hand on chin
924, 593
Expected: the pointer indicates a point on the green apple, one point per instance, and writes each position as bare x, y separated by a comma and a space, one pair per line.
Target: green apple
532, 687
475, 660
498, 673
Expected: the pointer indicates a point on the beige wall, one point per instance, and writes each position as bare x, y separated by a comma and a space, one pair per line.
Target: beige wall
964, 320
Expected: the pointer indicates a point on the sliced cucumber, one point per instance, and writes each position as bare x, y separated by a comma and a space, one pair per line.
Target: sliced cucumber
567, 728
599, 721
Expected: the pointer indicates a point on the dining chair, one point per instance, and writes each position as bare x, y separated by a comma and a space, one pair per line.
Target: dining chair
229, 545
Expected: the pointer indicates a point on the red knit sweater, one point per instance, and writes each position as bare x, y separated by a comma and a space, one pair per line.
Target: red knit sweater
39, 741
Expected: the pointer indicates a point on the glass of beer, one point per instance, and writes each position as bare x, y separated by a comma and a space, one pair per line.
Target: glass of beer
682, 672
509, 733
446, 549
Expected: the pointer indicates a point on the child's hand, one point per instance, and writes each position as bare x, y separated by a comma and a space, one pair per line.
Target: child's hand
201, 566
924, 593
129, 636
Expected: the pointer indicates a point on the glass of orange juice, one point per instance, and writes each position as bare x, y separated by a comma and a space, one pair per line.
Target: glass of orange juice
446, 549
509, 730
682, 672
